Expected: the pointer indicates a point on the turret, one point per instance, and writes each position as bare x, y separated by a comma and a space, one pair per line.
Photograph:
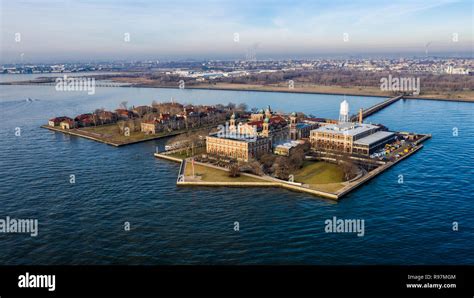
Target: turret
293, 120
268, 112
266, 127
232, 120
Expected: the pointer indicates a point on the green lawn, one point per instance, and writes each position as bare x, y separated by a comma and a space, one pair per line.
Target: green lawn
183, 154
321, 175
214, 175
111, 133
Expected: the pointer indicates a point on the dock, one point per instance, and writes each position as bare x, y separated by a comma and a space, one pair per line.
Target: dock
375, 108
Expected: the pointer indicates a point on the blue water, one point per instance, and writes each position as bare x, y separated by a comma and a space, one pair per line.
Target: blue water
82, 223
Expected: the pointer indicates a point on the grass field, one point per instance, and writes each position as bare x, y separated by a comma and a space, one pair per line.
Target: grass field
208, 174
183, 154
111, 133
321, 176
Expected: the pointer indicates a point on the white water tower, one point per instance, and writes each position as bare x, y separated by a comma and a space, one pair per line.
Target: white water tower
344, 112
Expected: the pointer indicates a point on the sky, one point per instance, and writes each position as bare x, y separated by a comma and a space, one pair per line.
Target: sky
99, 30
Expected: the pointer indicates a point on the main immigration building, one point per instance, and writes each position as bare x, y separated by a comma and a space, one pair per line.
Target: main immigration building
245, 141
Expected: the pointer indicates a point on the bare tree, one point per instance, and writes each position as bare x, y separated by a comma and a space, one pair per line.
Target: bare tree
137, 124
131, 125
297, 158
348, 166
256, 168
123, 105
234, 170
267, 161
242, 107
231, 106
282, 167
121, 126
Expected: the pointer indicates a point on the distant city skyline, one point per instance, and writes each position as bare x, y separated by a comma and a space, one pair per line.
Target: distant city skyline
48, 30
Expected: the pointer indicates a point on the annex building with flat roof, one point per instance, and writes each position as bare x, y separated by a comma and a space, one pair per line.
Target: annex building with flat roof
350, 137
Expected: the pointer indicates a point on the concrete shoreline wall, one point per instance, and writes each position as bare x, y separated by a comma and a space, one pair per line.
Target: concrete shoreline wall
374, 173
164, 156
260, 184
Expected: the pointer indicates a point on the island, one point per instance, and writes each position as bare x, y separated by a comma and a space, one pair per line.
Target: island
126, 126
324, 157
228, 145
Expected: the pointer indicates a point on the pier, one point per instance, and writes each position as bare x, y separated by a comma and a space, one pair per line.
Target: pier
376, 108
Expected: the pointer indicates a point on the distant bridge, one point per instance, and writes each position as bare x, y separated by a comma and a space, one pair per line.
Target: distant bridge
376, 108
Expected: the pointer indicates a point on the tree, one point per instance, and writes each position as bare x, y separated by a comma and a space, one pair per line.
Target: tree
282, 167
96, 116
234, 170
256, 168
123, 105
242, 107
252, 166
231, 106
121, 125
131, 125
297, 158
137, 124
267, 160
189, 140
348, 166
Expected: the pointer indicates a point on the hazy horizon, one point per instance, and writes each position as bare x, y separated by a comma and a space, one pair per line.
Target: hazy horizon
89, 30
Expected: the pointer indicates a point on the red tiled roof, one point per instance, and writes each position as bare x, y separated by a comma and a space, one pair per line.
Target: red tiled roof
258, 124
165, 116
68, 120
124, 112
151, 121
106, 114
83, 117
277, 119
59, 119
316, 119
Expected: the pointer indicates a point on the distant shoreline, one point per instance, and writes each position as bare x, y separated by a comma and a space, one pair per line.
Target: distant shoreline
312, 92
252, 88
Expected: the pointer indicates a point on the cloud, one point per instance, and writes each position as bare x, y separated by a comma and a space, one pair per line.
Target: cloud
95, 28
